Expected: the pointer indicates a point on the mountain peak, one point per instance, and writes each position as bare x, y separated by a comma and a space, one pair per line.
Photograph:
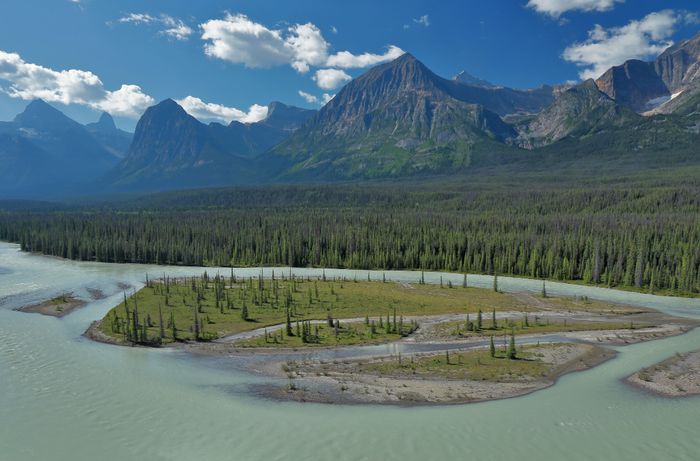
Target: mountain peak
106, 122
466, 78
42, 116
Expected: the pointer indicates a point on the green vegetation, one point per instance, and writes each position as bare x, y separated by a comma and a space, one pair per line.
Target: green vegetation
324, 335
206, 308
527, 325
638, 231
476, 365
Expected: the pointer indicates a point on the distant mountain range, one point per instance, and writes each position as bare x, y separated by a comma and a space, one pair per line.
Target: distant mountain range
397, 119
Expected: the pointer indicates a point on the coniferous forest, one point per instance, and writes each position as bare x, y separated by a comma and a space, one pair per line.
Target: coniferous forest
631, 232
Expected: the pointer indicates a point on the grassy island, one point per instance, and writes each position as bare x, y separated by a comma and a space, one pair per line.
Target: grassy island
310, 310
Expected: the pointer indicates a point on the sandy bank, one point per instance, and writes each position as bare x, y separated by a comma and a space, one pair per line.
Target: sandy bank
56, 307
345, 381
677, 376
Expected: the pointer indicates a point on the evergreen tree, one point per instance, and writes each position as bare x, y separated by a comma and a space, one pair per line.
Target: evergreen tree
492, 348
512, 352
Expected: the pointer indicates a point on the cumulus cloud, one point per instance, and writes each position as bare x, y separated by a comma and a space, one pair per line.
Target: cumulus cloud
311, 99
327, 97
238, 39
330, 79
212, 111
639, 39
31, 81
171, 27
556, 8
347, 60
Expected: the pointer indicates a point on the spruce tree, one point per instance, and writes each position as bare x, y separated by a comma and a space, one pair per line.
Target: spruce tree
512, 352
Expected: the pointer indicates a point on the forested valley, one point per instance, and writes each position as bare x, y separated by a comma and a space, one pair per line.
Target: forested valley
631, 231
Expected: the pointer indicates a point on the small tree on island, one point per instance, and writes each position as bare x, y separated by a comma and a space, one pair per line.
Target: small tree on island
512, 352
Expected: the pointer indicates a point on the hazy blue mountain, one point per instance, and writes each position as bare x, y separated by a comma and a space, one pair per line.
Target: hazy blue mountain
251, 139
172, 149
44, 150
113, 139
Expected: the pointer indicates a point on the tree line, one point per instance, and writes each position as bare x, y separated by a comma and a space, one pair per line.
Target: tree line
648, 238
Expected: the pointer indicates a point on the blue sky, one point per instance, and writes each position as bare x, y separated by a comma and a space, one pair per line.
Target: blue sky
228, 59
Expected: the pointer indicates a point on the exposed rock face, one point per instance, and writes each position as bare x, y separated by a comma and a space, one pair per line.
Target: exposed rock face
679, 65
633, 84
397, 117
580, 110
642, 86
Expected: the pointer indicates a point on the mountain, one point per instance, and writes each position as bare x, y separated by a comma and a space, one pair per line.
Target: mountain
397, 118
42, 149
114, 140
251, 139
634, 84
502, 100
466, 78
577, 112
644, 86
171, 148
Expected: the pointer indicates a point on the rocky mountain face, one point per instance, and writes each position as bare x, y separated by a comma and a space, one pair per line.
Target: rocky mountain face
579, 111
397, 118
634, 84
42, 149
113, 139
679, 66
647, 86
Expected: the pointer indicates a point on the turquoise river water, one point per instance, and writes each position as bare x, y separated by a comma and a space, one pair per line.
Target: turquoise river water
64, 397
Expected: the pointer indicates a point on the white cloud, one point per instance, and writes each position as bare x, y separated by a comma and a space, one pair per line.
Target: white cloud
640, 39
31, 81
172, 27
238, 39
423, 20
556, 8
334, 29
127, 101
212, 111
330, 79
307, 45
347, 60
311, 99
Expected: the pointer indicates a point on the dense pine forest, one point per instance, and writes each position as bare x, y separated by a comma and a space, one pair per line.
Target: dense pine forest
625, 232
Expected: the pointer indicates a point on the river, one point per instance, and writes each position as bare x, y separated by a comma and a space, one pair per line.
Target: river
64, 397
